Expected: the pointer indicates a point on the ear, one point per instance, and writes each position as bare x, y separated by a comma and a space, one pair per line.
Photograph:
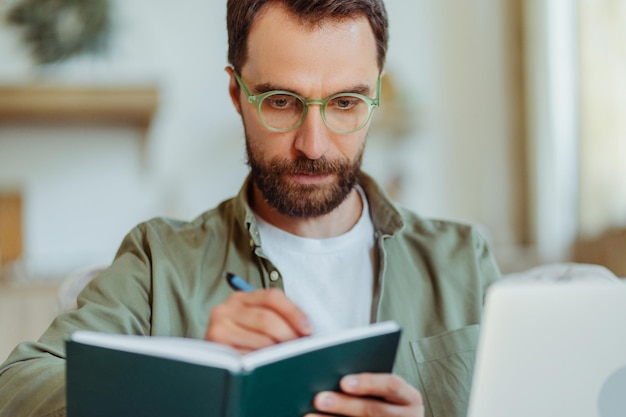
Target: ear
233, 89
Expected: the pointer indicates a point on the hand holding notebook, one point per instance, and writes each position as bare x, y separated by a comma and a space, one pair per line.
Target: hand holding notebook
126, 375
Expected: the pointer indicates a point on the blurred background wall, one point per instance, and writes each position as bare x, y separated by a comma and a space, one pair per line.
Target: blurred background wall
482, 125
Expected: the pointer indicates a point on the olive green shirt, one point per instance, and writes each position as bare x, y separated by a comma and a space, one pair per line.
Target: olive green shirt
167, 276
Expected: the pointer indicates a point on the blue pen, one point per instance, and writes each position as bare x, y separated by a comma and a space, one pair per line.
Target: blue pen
238, 283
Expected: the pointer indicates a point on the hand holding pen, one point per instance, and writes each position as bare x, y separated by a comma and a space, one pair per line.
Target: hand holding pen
252, 319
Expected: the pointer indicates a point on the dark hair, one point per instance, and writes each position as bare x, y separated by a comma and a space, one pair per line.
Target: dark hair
241, 14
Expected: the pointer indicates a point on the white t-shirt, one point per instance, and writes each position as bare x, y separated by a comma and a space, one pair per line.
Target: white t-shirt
329, 279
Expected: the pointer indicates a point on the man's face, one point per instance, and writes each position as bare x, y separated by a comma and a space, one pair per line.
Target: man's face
309, 171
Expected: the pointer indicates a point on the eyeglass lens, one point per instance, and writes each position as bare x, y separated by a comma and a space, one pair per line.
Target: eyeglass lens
342, 113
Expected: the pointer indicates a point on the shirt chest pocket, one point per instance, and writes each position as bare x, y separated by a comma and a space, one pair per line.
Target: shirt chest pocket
445, 364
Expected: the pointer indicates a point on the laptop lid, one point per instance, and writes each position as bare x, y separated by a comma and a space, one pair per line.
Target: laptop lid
552, 349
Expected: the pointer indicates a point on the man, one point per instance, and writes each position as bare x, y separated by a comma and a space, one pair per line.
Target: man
320, 240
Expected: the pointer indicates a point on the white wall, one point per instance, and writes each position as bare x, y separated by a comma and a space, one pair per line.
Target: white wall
83, 191
463, 161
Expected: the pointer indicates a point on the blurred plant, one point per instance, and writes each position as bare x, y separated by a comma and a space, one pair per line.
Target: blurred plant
58, 29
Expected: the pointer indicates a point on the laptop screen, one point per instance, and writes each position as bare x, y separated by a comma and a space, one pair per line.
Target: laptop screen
552, 349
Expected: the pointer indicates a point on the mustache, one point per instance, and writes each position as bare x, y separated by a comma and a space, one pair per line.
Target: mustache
304, 165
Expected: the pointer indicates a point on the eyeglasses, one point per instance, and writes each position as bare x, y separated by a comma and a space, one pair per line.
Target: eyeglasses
282, 111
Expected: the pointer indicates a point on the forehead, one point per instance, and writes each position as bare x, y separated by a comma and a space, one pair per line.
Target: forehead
281, 47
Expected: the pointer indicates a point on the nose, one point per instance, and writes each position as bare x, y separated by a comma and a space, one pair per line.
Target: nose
312, 136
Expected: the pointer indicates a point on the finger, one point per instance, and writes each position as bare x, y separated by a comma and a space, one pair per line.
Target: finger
240, 326
249, 321
277, 301
267, 323
391, 388
229, 333
347, 405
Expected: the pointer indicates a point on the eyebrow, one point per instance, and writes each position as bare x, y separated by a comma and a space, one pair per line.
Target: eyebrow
362, 89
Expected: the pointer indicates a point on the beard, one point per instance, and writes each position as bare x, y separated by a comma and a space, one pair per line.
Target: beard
303, 200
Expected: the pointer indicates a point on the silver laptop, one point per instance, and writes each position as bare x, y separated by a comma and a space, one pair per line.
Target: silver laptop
552, 350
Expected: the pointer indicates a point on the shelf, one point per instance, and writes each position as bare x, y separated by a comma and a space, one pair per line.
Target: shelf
130, 106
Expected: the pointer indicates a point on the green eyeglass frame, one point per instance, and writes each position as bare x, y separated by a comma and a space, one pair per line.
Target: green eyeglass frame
372, 103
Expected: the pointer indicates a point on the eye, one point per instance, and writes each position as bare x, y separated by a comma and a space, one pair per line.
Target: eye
280, 101
345, 102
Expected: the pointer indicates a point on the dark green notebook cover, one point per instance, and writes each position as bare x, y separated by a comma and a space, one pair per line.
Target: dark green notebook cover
108, 382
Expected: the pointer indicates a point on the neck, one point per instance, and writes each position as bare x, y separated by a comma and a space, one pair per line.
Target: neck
335, 223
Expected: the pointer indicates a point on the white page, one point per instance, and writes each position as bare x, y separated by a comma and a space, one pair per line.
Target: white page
184, 349
213, 354
311, 343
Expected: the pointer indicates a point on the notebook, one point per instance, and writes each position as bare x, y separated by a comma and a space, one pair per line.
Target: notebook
552, 350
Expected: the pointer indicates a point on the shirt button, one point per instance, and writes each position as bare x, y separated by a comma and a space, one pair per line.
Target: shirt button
274, 276
251, 243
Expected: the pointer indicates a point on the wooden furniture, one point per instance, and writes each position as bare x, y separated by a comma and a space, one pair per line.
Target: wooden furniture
607, 249
75, 104
30, 104
10, 226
